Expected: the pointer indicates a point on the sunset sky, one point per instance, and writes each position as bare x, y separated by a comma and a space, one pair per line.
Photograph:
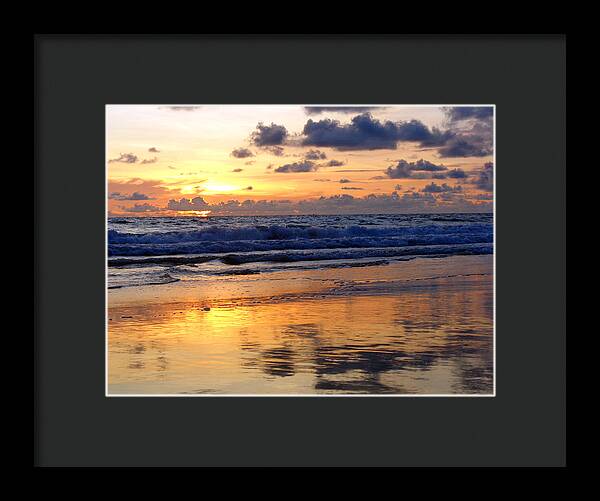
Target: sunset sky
249, 160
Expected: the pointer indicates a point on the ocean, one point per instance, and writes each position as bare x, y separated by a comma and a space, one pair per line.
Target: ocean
160, 250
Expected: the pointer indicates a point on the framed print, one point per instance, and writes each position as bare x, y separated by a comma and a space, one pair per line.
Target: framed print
249, 246
300, 250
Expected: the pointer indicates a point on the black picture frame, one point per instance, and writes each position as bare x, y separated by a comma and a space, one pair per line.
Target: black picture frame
77, 75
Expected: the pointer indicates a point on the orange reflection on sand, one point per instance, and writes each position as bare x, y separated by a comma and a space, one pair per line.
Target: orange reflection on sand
434, 336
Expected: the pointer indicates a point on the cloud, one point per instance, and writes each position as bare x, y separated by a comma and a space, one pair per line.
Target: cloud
344, 180
473, 131
457, 113
398, 187
425, 165
461, 147
142, 208
185, 204
404, 169
408, 202
334, 163
149, 160
485, 177
482, 196
315, 155
469, 133
249, 188
237, 170
322, 180
116, 195
242, 153
306, 166
269, 135
153, 150
316, 110
456, 174
182, 108
443, 188
437, 137
126, 158
278, 151
351, 188
362, 133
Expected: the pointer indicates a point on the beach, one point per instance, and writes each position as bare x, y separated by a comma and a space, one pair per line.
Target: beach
418, 325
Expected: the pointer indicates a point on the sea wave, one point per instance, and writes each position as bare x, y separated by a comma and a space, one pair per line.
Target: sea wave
307, 255
145, 251
219, 239
286, 232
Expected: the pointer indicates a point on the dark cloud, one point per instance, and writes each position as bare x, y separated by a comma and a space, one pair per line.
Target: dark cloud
248, 188
185, 204
306, 166
344, 181
153, 150
316, 110
398, 187
351, 188
484, 179
126, 158
437, 138
237, 170
315, 155
269, 135
149, 160
404, 169
473, 131
427, 166
457, 174
457, 113
115, 195
482, 196
242, 153
142, 208
466, 147
441, 188
362, 133
334, 163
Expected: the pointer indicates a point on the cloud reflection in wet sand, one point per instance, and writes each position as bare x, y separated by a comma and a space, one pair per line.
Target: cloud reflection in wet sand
433, 339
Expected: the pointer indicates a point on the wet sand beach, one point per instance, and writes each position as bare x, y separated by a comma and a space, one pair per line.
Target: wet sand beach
423, 326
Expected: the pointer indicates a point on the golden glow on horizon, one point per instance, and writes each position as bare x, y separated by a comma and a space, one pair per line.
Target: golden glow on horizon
194, 213
187, 154
214, 187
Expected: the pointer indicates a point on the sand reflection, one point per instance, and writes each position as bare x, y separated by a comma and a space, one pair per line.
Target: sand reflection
435, 338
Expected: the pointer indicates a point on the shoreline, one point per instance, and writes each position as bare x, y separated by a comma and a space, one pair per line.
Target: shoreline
297, 281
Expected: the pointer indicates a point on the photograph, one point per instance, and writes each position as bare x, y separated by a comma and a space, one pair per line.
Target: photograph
300, 250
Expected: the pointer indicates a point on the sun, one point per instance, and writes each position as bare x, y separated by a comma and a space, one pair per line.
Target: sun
194, 213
